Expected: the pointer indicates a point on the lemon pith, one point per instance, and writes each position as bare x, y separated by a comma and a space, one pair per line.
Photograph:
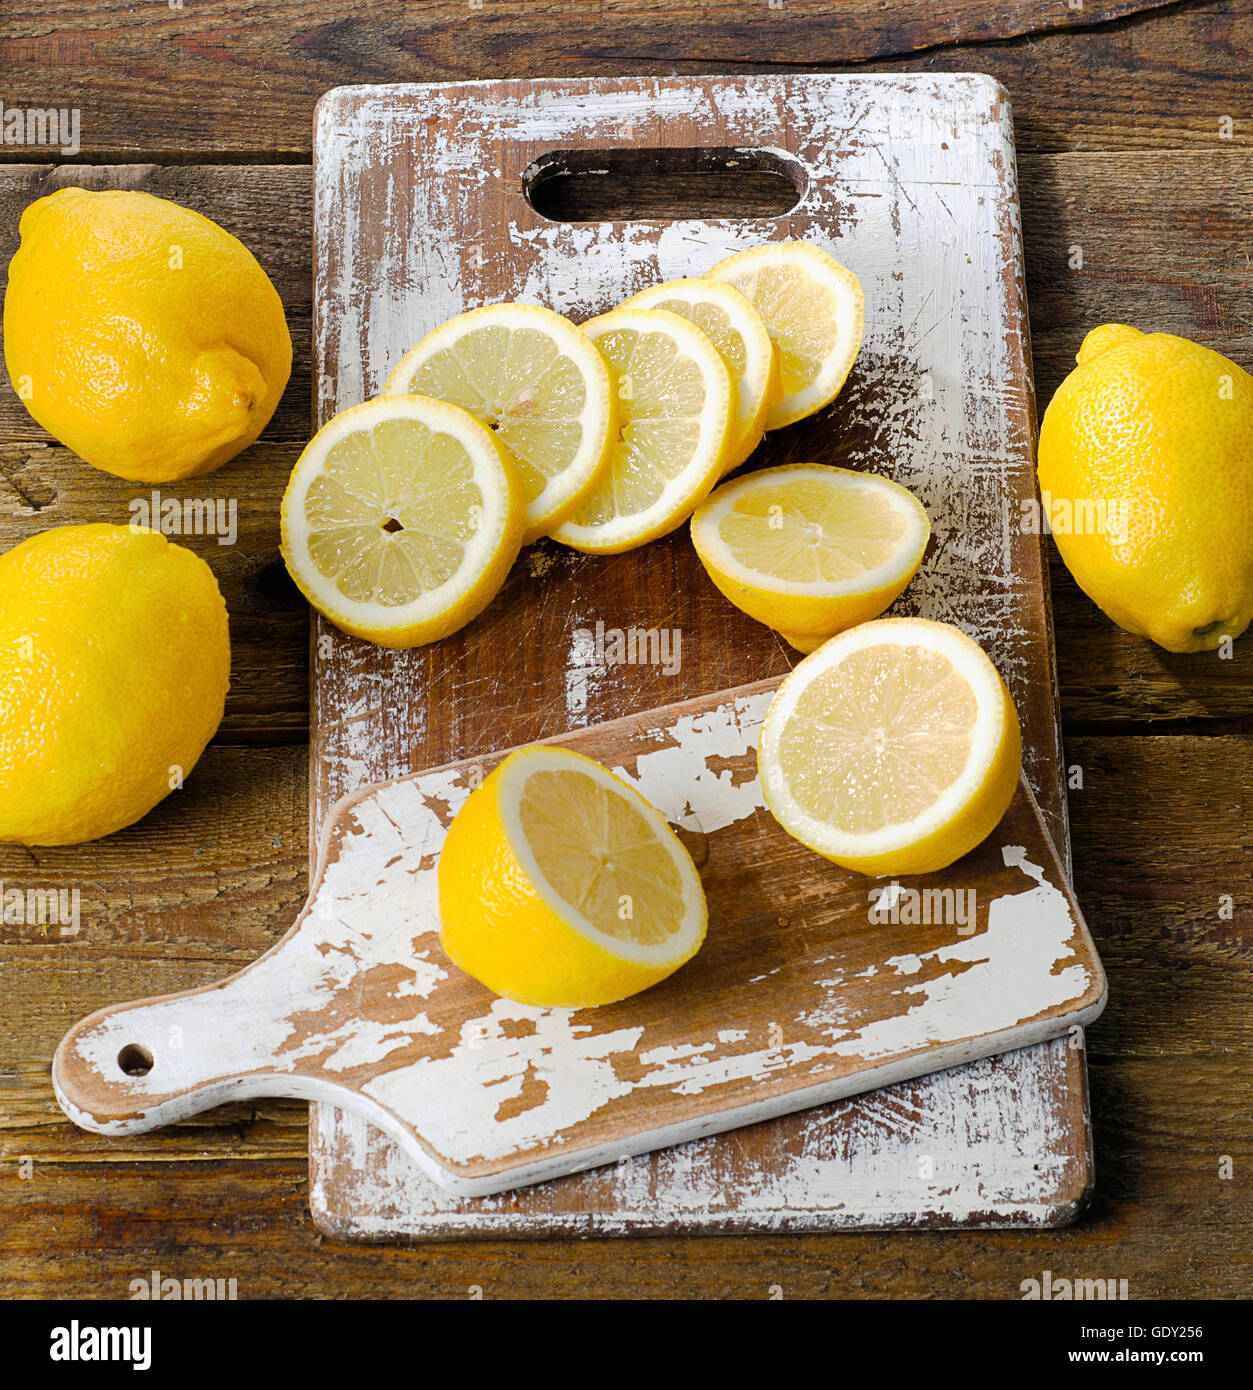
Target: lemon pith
142, 335
894, 748
676, 406
535, 380
560, 886
114, 665
1146, 481
809, 549
401, 520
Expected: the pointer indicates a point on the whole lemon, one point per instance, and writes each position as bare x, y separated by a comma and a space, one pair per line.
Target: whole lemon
141, 334
114, 663
1146, 478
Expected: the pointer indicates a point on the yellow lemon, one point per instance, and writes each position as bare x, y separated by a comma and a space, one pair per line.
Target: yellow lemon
1146, 480
813, 309
114, 663
560, 886
537, 382
809, 549
893, 749
401, 519
676, 411
142, 335
739, 335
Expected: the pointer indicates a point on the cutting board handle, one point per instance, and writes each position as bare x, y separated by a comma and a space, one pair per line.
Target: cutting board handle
631, 159
149, 1062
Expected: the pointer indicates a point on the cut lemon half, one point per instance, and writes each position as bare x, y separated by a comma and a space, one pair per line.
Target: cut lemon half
736, 329
812, 307
810, 550
401, 520
676, 402
893, 749
532, 377
560, 886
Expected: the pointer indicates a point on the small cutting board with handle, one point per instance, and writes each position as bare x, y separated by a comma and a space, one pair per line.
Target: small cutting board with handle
813, 983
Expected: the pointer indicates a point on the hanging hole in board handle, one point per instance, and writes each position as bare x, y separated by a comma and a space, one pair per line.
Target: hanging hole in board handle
633, 183
135, 1060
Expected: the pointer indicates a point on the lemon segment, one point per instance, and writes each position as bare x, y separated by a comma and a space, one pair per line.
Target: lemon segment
738, 333
813, 309
893, 749
532, 377
810, 550
676, 402
560, 886
401, 520
1146, 479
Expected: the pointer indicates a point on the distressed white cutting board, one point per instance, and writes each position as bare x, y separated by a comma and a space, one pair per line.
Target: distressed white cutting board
813, 983
419, 213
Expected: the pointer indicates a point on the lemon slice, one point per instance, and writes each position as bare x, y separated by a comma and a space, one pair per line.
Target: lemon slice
676, 402
533, 378
736, 329
401, 520
812, 307
893, 749
560, 886
810, 550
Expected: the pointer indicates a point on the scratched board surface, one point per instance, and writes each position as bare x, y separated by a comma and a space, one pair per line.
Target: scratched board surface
420, 212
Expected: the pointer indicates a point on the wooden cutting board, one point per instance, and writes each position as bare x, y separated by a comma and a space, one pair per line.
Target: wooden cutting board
813, 983
420, 213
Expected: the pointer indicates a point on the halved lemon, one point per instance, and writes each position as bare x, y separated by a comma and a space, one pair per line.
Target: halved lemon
531, 376
813, 308
893, 749
736, 329
560, 886
810, 550
676, 401
401, 520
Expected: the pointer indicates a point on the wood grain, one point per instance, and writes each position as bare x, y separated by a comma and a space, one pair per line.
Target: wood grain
1113, 74
1168, 1098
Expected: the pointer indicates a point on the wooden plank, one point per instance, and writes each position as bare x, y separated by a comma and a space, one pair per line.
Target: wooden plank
1163, 1219
216, 79
885, 163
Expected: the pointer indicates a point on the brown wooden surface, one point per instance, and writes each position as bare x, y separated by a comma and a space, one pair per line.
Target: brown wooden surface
1120, 154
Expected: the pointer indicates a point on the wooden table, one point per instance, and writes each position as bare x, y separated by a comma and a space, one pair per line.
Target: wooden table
1135, 141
